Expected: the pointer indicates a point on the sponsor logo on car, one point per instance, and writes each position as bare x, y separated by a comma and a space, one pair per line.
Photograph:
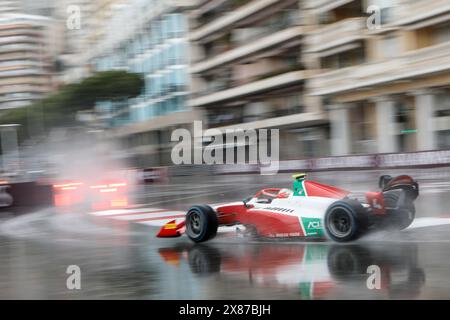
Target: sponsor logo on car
312, 226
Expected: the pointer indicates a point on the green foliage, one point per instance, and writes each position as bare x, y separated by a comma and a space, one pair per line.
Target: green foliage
61, 107
108, 85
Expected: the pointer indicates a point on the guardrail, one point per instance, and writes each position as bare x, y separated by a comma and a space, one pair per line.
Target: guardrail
422, 159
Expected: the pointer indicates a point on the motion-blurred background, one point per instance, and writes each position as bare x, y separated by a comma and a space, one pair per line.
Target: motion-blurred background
128, 72
91, 91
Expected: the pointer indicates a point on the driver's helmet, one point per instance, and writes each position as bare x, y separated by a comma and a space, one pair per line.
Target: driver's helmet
284, 193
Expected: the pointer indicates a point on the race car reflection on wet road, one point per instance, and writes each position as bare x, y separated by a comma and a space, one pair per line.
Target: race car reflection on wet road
313, 270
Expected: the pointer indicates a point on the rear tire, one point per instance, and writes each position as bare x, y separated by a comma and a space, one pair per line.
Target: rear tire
398, 219
201, 223
346, 220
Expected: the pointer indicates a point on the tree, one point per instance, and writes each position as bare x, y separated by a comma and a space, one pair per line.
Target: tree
61, 107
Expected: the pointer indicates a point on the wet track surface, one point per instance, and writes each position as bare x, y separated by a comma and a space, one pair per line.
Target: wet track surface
120, 260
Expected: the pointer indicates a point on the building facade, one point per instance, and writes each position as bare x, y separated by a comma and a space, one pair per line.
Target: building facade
248, 72
320, 71
332, 81
26, 63
386, 88
150, 38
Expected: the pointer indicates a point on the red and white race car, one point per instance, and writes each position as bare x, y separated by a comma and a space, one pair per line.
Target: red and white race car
309, 210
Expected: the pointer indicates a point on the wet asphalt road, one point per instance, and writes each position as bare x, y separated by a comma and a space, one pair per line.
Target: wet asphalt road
125, 261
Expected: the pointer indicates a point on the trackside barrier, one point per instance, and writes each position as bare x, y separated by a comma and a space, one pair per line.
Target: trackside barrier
422, 159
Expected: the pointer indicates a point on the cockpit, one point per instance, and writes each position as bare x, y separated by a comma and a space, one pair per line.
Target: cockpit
267, 195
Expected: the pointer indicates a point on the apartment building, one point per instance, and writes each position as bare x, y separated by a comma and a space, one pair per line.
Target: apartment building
76, 21
148, 37
316, 70
386, 89
311, 68
248, 72
25, 59
9, 6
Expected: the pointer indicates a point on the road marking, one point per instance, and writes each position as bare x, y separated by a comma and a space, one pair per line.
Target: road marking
148, 216
151, 216
168, 218
124, 211
428, 222
143, 213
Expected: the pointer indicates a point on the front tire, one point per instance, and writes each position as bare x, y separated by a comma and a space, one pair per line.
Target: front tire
201, 223
346, 220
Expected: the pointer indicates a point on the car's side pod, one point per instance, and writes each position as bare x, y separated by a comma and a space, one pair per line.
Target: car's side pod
402, 182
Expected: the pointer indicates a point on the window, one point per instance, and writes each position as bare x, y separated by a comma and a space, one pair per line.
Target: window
386, 8
390, 46
442, 105
444, 139
177, 53
443, 33
179, 103
177, 25
148, 86
180, 77
156, 86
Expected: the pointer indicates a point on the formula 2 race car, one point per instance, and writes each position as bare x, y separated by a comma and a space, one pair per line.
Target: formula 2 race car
310, 210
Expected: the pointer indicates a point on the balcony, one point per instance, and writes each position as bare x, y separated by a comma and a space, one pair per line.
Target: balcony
231, 18
19, 39
414, 12
19, 47
249, 49
325, 5
14, 104
38, 80
294, 120
417, 63
336, 34
22, 72
210, 10
24, 88
159, 122
270, 83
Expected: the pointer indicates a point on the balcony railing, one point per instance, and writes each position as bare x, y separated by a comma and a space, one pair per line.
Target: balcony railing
336, 34
302, 119
249, 49
19, 47
224, 5
278, 81
409, 65
416, 10
231, 18
325, 3
283, 21
226, 83
232, 119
